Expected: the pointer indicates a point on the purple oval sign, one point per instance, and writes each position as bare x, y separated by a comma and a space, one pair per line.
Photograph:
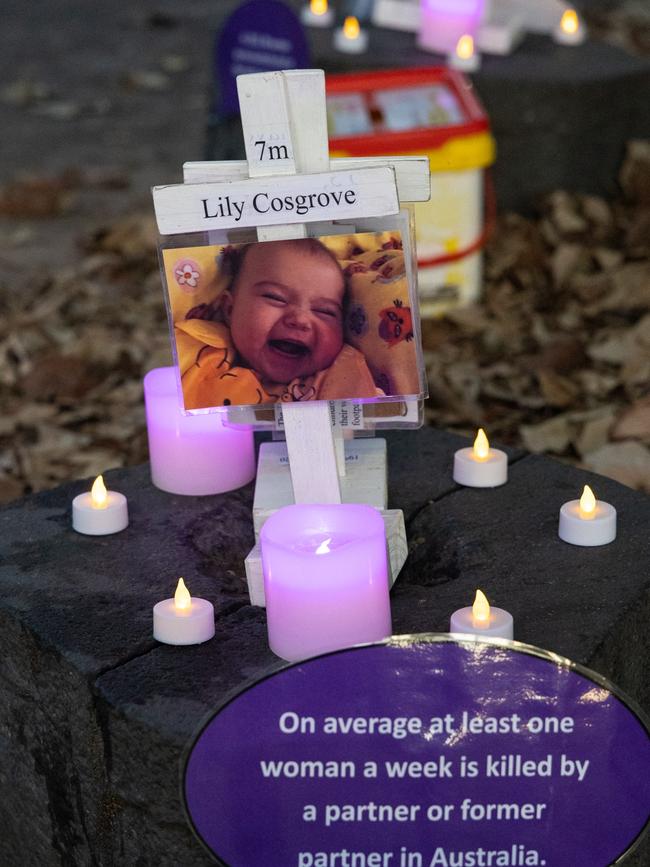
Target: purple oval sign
422, 752
259, 36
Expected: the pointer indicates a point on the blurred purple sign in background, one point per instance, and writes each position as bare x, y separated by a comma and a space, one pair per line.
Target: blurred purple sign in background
260, 36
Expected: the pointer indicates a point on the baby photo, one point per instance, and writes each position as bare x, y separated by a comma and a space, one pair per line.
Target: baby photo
327, 318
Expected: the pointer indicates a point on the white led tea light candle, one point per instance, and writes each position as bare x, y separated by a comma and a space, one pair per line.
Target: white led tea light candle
587, 521
99, 512
183, 619
465, 57
570, 30
481, 466
483, 620
317, 13
351, 38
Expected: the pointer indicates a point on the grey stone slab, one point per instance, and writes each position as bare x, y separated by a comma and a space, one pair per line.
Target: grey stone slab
71, 590
95, 716
589, 604
420, 466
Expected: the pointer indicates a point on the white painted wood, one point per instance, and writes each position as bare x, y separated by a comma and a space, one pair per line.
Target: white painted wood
395, 541
255, 576
308, 431
412, 174
302, 198
265, 118
365, 480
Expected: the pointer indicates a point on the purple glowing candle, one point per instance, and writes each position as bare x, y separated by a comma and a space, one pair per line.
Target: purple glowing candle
325, 578
443, 22
192, 454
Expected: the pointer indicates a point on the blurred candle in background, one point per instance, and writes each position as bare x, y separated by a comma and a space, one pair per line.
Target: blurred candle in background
317, 13
570, 30
192, 454
444, 22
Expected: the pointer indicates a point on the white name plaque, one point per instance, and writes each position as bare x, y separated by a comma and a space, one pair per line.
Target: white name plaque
269, 201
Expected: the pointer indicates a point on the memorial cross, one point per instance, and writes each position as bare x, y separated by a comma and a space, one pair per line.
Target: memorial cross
284, 124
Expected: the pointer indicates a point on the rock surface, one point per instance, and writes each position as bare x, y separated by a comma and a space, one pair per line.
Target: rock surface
95, 715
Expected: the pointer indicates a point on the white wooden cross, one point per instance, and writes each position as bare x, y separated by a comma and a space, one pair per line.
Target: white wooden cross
285, 133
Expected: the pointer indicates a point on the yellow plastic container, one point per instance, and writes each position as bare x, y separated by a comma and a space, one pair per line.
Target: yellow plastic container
432, 112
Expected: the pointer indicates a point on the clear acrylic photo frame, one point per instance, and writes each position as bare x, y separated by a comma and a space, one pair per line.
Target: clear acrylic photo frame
358, 416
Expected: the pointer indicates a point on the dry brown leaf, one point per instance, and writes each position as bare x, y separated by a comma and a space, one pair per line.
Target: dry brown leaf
567, 260
553, 435
558, 391
35, 198
59, 377
563, 355
607, 258
564, 214
627, 462
595, 432
635, 172
634, 422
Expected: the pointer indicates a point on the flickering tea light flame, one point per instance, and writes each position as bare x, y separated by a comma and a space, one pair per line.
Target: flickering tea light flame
481, 446
587, 503
99, 512
182, 598
318, 7
99, 494
465, 47
183, 619
480, 610
351, 27
570, 23
483, 620
324, 547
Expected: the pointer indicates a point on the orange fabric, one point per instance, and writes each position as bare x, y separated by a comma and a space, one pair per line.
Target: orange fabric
210, 376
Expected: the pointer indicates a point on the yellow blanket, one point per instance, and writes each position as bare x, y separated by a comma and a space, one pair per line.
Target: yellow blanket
211, 377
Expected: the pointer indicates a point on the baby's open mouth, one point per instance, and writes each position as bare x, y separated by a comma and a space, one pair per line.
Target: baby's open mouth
290, 348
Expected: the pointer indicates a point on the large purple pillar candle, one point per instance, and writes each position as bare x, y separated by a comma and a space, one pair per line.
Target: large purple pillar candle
325, 578
192, 454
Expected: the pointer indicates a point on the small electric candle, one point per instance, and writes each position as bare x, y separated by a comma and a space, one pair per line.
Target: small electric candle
99, 512
351, 38
325, 578
317, 13
481, 466
465, 57
570, 30
587, 521
482, 620
183, 619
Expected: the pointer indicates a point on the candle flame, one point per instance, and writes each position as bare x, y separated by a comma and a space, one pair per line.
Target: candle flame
570, 22
182, 598
481, 445
587, 503
351, 27
324, 547
481, 610
318, 7
99, 494
465, 47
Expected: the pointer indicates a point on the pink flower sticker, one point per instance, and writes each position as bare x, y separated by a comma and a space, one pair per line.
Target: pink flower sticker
187, 274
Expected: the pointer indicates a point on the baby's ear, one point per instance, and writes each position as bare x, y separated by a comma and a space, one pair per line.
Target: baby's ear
226, 304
